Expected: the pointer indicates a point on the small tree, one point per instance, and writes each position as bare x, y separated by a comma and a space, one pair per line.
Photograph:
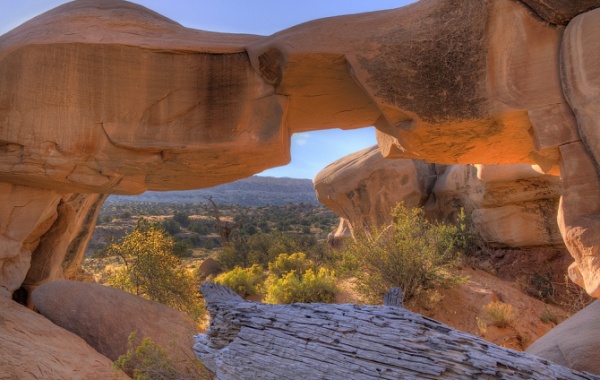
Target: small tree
152, 271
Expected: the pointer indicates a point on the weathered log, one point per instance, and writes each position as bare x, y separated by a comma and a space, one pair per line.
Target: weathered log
249, 340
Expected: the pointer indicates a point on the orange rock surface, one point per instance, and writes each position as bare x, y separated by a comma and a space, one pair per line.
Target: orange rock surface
110, 97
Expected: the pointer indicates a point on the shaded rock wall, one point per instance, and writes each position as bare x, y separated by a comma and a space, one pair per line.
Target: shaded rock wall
513, 205
43, 234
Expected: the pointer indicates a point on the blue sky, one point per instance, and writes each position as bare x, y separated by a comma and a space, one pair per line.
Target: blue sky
311, 151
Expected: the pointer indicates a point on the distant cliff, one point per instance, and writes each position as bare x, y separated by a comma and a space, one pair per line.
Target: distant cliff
253, 191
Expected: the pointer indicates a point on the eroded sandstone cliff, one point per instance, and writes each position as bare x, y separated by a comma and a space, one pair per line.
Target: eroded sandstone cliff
110, 97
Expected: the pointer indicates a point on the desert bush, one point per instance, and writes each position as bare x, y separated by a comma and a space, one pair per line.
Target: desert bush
538, 285
171, 226
548, 316
264, 248
411, 253
576, 298
150, 361
146, 361
285, 263
151, 270
244, 281
312, 286
498, 314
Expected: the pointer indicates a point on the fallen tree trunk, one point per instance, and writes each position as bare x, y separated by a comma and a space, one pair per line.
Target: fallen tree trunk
248, 340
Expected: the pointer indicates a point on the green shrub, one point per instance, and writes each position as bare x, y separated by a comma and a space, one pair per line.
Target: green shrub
151, 270
150, 361
243, 281
411, 253
285, 263
147, 361
264, 248
310, 287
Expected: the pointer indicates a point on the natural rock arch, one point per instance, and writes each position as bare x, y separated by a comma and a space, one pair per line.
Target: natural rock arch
109, 97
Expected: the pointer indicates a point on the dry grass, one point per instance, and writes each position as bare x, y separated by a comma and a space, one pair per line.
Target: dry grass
498, 314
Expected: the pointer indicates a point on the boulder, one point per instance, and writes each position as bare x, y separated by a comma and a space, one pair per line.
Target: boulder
510, 205
579, 216
26, 213
574, 343
558, 11
363, 187
34, 348
105, 317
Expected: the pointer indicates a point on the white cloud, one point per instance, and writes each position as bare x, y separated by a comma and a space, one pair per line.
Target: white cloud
300, 138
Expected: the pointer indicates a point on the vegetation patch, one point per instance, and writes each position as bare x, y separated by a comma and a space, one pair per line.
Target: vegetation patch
150, 361
411, 253
498, 314
244, 281
151, 270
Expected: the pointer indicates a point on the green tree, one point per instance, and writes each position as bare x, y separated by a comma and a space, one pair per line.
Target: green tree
152, 271
171, 226
182, 218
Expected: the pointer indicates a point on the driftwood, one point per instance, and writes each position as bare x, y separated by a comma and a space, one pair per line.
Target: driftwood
248, 340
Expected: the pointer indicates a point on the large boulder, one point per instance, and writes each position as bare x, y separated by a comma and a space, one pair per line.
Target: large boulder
574, 343
579, 216
105, 317
511, 205
34, 348
363, 187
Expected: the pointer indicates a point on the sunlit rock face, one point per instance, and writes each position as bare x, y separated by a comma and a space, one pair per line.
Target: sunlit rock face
110, 97
511, 205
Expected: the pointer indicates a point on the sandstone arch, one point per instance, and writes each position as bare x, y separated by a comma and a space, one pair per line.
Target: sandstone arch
109, 97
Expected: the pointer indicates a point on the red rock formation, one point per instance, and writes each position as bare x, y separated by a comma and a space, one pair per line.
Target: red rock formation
34, 348
512, 205
574, 343
109, 97
105, 317
363, 187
